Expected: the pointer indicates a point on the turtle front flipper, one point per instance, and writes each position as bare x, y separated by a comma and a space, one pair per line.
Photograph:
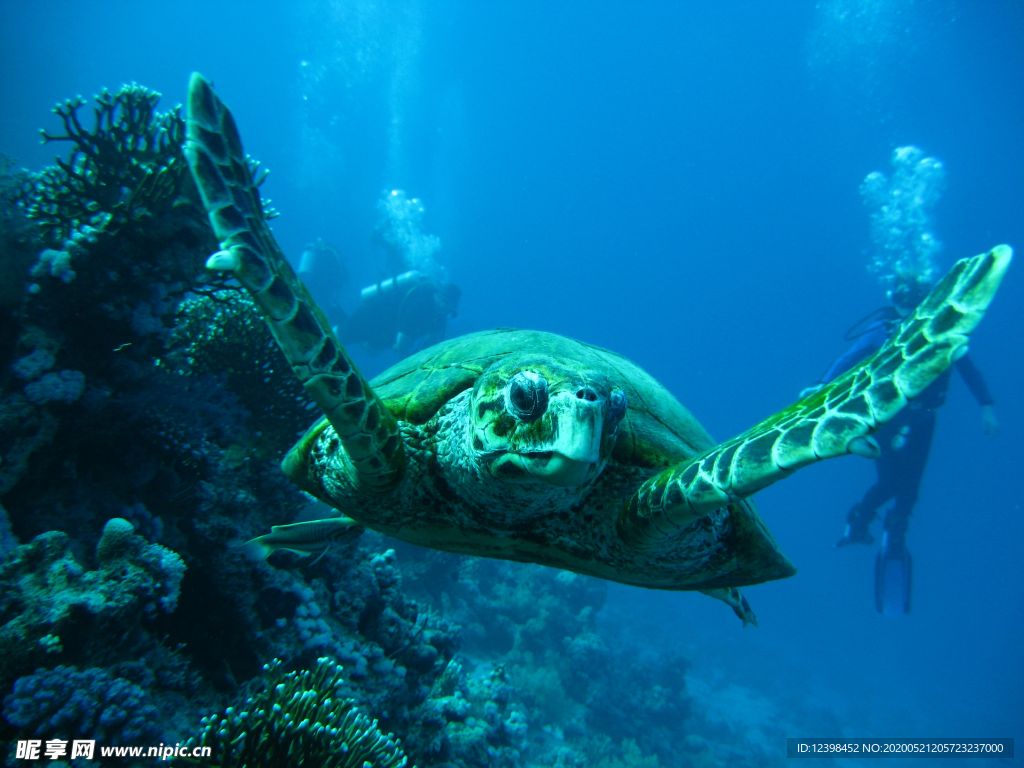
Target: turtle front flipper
368, 431
834, 421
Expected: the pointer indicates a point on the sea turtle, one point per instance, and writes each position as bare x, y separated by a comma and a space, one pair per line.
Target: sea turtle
532, 447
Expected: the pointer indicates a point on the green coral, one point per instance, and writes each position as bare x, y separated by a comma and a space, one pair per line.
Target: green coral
300, 718
129, 166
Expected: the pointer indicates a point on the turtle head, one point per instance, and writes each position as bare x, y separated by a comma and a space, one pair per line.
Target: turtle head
534, 419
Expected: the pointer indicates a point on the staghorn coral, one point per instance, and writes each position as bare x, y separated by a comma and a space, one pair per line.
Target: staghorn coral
129, 166
300, 718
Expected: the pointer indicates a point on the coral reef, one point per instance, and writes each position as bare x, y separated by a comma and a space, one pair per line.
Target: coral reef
64, 703
582, 697
222, 334
471, 720
7, 540
97, 616
299, 718
129, 166
100, 250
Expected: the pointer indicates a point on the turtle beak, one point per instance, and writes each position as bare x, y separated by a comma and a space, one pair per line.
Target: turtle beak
571, 456
558, 470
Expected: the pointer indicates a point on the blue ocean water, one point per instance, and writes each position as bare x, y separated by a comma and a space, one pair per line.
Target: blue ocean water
677, 182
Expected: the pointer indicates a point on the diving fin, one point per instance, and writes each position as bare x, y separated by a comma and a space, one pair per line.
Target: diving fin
893, 576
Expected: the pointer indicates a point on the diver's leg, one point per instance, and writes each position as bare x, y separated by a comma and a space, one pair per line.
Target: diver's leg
886, 487
894, 564
907, 471
858, 525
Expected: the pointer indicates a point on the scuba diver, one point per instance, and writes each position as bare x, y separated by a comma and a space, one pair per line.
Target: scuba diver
323, 271
904, 259
405, 313
410, 309
904, 444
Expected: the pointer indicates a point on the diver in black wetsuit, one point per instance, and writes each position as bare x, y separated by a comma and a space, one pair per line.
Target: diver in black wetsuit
904, 443
405, 313
408, 310
324, 273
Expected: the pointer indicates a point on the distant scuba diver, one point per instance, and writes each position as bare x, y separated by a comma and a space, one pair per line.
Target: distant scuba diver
323, 271
405, 313
904, 445
410, 309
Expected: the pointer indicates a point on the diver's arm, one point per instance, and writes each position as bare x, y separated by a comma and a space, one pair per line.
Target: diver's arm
976, 383
867, 344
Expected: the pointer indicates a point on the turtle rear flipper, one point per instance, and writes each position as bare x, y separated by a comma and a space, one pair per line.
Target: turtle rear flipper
732, 597
367, 430
836, 420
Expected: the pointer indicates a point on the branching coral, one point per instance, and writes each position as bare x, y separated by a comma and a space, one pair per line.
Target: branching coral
128, 166
299, 719
122, 232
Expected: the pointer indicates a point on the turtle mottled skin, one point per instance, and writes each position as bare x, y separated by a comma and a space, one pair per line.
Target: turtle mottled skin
528, 446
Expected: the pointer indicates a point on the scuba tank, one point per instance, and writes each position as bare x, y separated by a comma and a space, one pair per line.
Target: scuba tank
307, 261
378, 290
321, 262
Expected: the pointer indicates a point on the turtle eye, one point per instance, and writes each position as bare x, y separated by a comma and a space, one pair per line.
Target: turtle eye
527, 395
617, 403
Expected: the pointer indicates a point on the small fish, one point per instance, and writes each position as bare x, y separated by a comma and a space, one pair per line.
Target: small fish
314, 536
